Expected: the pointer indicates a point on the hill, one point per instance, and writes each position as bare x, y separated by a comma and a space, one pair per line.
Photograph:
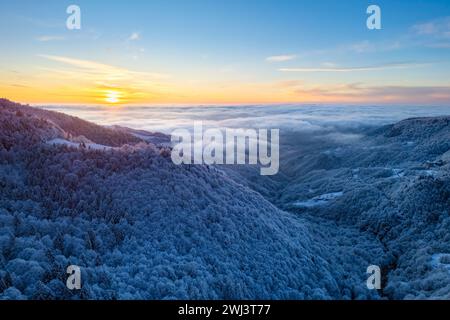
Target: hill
141, 227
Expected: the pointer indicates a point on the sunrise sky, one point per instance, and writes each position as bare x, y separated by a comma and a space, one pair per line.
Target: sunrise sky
225, 52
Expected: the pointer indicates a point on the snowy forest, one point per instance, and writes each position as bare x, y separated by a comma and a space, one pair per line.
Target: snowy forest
110, 200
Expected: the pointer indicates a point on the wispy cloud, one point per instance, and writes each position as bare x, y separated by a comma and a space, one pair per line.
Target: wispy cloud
425, 28
112, 72
329, 64
281, 58
19, 85
358, 92
360, 47
366, 46
289, 83
94, 79
437, 27
435, 33
49, 38
355, 69
134, 36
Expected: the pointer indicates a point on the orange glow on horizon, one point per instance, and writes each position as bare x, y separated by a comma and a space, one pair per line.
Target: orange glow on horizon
47, 92
84, 82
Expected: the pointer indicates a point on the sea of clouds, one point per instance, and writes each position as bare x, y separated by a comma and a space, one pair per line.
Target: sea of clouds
287, 117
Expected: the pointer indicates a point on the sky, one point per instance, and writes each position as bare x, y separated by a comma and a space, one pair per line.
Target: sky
225, 52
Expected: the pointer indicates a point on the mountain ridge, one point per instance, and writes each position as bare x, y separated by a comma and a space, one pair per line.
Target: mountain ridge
142, 227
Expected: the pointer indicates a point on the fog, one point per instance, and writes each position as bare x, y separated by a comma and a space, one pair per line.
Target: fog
286, 117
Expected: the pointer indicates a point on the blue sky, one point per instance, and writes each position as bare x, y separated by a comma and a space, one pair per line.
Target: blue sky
227, 51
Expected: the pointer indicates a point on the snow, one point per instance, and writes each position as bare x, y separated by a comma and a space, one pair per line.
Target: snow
439, 260
398, 172
59, 141
143, 228
430, 173
319, 200
92, 146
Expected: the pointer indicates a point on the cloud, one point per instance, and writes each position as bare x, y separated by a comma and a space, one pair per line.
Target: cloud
281, 58
435, 33
329, 64
134, 36
425, 28
358, 92
112, 72
360, 47
19, 85
91, 79
438, 28
355, 69
49, 38
289, 83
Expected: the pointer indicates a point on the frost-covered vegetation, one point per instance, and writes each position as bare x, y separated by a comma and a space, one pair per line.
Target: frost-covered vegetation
392, 183
143, 228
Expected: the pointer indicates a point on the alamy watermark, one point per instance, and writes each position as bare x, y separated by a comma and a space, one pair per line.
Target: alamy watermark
374, 20
229, 146
74, 279
374, 279
73, 21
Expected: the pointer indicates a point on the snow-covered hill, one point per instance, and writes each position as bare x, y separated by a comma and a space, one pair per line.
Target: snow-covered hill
392, 182
141, 227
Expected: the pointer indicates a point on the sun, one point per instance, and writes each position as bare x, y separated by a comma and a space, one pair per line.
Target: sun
112, 96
